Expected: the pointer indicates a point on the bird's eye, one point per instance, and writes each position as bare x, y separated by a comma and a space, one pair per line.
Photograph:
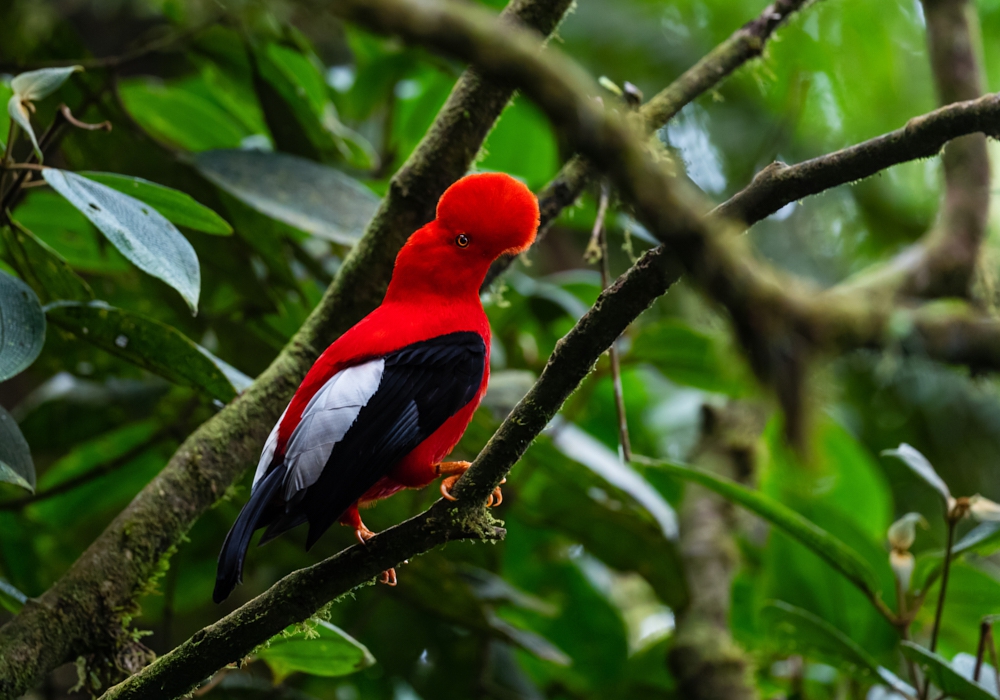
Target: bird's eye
462, 241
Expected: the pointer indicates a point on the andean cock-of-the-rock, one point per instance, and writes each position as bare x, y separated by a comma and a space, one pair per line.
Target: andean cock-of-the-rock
387, 402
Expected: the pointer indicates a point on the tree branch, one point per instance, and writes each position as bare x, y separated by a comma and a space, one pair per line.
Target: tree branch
745, 44
714, 260
922, 137
60, 625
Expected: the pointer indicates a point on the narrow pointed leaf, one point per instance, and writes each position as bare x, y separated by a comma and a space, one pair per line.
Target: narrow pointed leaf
948, 680
36, 84
831, 549
43, 269
325, 651
19, 113
22, 326
311, 197
144, 342
800, 631
16, 465
11, 598
178, 207
141, 233
919, 464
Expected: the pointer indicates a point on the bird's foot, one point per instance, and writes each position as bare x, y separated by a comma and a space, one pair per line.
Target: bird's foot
455, 471
361, 531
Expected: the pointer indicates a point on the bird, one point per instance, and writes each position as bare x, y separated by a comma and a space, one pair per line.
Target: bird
382, 406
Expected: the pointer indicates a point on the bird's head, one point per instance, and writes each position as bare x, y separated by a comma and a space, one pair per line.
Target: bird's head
479, 218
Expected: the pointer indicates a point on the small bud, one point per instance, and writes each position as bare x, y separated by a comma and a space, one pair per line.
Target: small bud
633, 95
904, 531
983, 509
609, 85
902, 565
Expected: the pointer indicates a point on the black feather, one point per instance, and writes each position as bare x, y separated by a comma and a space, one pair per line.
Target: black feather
422, 386
234, 549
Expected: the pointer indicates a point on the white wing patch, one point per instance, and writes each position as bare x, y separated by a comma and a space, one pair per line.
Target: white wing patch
326, 419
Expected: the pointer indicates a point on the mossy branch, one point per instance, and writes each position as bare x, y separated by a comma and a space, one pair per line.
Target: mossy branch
713, 259
106, 579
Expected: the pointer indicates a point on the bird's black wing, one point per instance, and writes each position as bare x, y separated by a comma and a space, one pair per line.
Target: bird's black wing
423, 385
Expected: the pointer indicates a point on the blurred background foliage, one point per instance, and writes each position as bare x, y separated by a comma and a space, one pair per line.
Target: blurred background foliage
579, 600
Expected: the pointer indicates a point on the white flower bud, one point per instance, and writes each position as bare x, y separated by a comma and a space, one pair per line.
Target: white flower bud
902, 565
904, 531
983, 509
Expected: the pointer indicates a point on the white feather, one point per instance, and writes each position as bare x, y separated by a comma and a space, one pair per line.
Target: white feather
326, 419
270, 445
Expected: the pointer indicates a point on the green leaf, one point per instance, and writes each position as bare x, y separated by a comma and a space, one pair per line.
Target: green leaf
36, 84
590, 452
44, 269
688, 357
922, 467
141, 233
146, 343
22, 326
11, 598
16, 465
30, 86
181, 117
832, 550
314, 198
178, 207
800, 631
599, 511
324, 650
947, 679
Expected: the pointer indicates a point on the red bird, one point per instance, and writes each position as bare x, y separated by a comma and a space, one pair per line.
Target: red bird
386, 403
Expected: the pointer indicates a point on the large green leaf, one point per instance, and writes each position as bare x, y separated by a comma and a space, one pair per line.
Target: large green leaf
832, 550
141, 233
322, 650
689, 357
16, 465
180, 116
43, 268
176, 206
315, 198
600, 511
800, 631
947, 679
22, 326
147, 343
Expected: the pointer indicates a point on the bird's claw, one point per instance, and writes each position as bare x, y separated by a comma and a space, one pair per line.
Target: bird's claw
363, 534
494, 499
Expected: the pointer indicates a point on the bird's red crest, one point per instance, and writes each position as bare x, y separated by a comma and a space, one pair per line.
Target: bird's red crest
494, 206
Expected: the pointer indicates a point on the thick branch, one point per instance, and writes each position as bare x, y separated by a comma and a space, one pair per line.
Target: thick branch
921, 137
721, 269
745, 44
60, 625
296, 598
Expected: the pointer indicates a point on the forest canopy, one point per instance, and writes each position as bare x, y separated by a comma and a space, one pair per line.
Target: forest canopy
742, 402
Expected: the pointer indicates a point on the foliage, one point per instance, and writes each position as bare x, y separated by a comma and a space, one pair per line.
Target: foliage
149, 272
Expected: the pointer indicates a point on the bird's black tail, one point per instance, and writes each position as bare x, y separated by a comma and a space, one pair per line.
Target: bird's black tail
234, 549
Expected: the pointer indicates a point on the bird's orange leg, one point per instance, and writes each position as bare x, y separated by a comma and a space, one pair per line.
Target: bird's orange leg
352, 518
452, 471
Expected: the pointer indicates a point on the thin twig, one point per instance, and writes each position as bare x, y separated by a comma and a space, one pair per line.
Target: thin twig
85, 478
597, 251
952, 522
984, 634
68, 115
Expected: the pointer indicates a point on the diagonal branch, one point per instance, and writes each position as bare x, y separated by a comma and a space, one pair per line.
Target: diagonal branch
922, 137
59, 625
745, 44
561, 90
